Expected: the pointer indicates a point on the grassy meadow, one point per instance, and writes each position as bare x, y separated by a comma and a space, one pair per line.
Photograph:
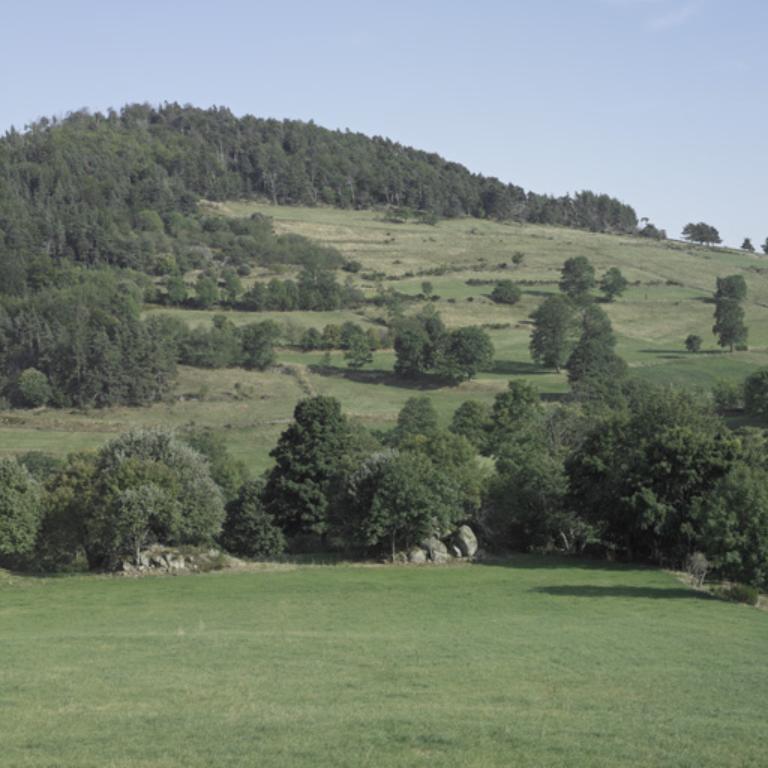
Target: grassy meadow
670, 297
529, 662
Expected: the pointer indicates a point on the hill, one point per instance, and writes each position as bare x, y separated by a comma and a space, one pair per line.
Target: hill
121, 189
669, 297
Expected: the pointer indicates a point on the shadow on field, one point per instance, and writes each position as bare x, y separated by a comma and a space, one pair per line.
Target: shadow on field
653, 593
387, 378
517, 368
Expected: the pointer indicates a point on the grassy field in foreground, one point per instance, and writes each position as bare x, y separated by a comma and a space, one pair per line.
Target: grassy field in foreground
670, 297
534, 662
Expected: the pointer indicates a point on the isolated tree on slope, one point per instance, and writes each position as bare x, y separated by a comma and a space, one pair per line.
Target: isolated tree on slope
701, 233
577, 278
594, 359
554, 331
747, 245
613, 283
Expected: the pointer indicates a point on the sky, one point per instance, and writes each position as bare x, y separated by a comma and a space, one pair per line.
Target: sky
661, 103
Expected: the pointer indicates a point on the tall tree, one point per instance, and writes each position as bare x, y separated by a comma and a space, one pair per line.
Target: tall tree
555, 330
308, 458
729, 324
747, 245
594, 360
577, 278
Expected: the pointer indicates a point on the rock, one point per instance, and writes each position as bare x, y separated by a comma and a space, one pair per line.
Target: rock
466, 541
437, 551
417, 555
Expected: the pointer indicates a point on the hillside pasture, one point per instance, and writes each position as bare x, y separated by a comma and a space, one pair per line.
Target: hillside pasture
669, 298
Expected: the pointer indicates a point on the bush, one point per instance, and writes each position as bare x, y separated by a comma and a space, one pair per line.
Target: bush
249, 531
693, 343
740, 593
506, 292
34, 388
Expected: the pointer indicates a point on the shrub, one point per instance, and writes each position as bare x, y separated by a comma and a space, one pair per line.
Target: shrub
34, 388
740, 593
506, 292
693, 343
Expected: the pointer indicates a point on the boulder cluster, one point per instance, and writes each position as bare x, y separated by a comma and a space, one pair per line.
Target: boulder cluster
462, 543
159, 559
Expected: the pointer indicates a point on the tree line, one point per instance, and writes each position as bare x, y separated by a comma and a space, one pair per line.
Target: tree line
654, 476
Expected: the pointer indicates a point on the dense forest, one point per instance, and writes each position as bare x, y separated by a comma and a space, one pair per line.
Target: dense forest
121, 188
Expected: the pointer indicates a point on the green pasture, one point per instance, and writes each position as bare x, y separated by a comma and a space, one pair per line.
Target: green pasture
670, 298
532, 662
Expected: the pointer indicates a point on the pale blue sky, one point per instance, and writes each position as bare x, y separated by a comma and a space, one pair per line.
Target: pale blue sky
659, 102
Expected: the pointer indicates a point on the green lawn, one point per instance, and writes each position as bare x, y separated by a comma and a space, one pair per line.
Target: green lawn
530, 663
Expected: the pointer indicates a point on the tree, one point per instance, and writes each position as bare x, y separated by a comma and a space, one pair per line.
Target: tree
21, 512
764, 246
416, 417
513, 414
577, 278
733, 518
555, 330
732, 287
249, 531
465, 352
233, 286
729, 324
747, 245
139, 511
311, 340
613, 283
701, 233
176, 290
400, 499
593, 360
153, 471
358, 352
257, 342
693, 343
756, 393
226, 471
34, 388
638, 472
206, 292
472, 421
525, 500
308, 459
506, 292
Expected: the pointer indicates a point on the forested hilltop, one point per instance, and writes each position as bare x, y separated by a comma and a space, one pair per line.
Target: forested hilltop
101, 188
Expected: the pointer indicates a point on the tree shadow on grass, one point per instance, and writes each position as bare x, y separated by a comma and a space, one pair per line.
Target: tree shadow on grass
517, 368
378, 376
652, 593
